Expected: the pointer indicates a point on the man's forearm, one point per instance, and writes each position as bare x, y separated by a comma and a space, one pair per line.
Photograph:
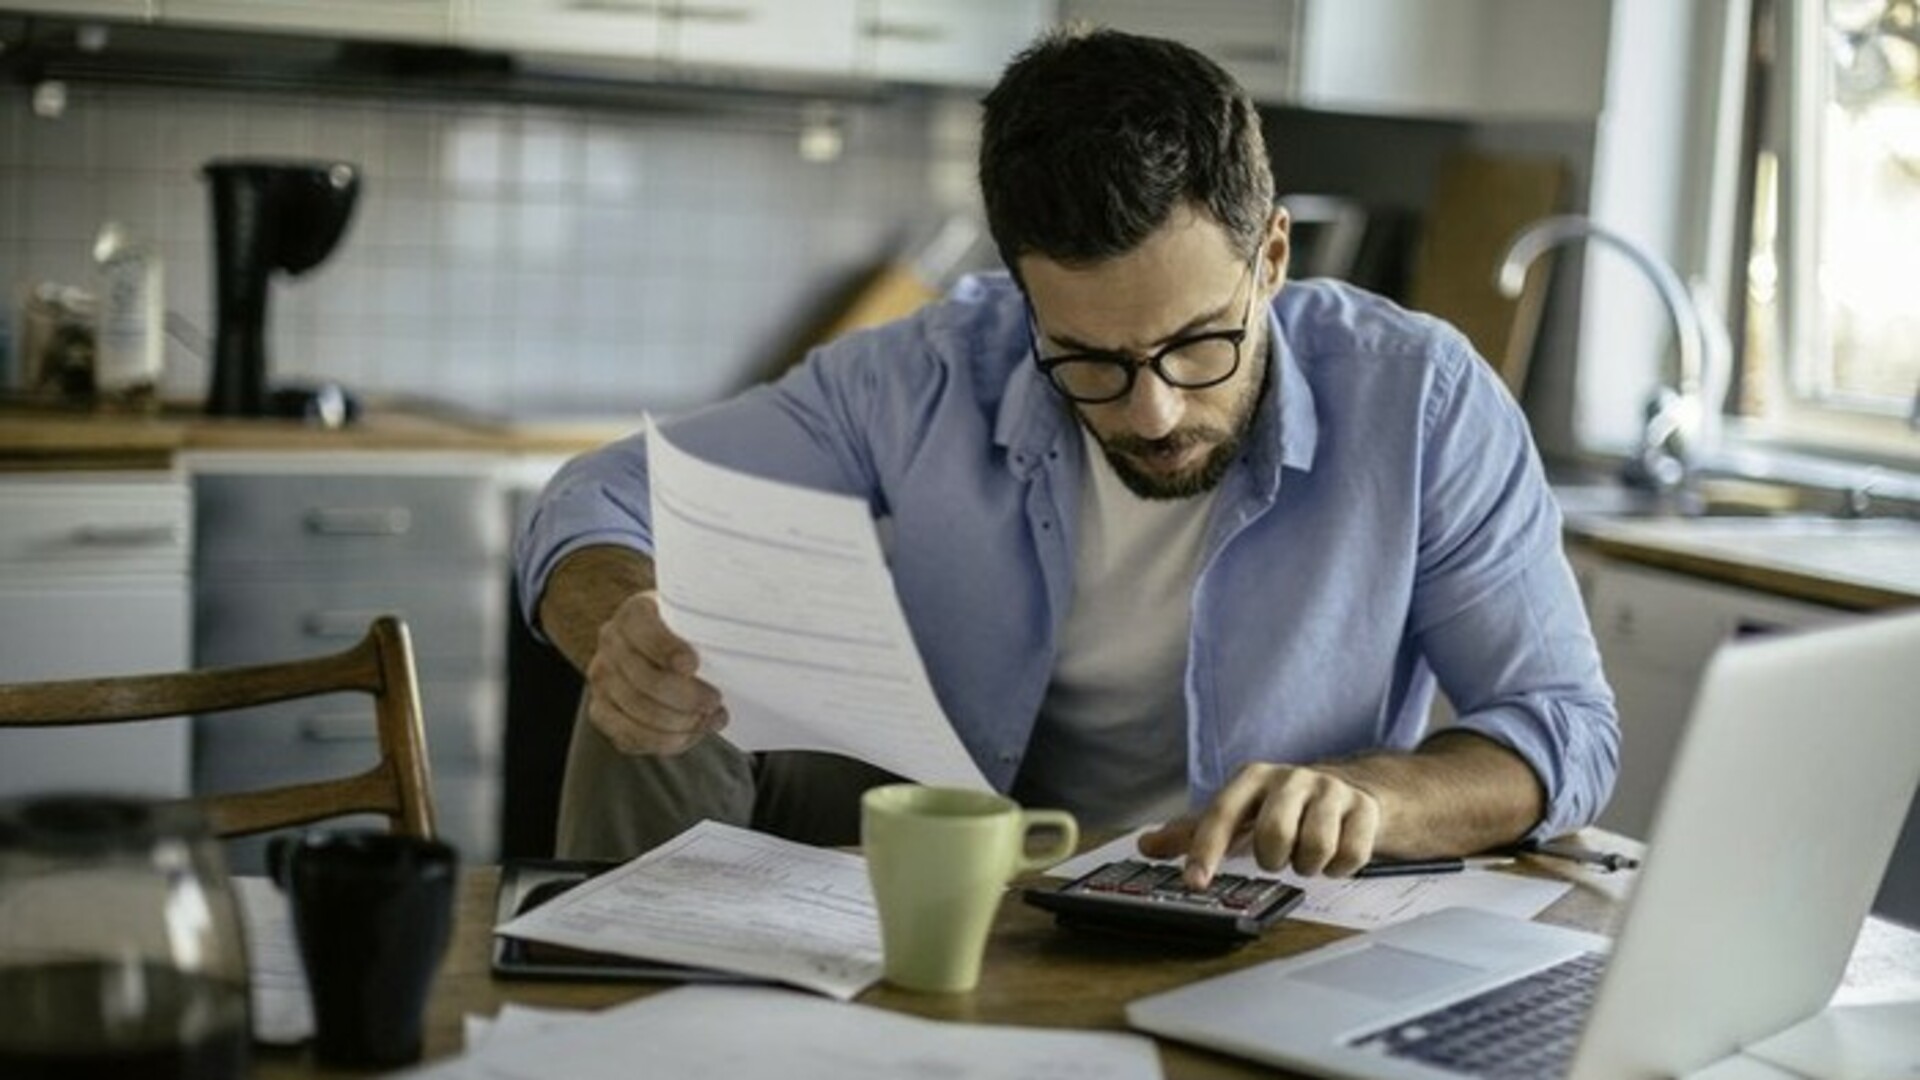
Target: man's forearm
1460, 792
584, 591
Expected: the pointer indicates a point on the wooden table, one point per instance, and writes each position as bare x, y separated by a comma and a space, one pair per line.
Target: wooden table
1034, 974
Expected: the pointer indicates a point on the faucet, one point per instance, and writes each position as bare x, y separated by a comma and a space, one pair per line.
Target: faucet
1676, 423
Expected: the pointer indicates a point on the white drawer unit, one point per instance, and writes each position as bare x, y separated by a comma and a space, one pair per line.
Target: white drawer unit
93, 582
298, 556
1656, 631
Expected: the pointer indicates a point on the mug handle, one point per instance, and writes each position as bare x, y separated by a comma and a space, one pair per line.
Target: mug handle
1062, 848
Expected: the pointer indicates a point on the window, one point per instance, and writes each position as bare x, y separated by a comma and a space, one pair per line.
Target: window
1830, 342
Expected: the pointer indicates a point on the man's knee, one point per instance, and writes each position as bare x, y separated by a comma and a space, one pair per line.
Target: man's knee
812, 797
615, 806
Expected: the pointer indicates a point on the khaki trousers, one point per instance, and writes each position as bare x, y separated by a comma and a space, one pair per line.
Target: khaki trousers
614, 806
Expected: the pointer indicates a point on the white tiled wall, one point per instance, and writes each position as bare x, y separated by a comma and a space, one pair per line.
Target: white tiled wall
502, 257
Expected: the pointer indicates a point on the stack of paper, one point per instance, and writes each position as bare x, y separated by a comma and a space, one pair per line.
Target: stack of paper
749, 1033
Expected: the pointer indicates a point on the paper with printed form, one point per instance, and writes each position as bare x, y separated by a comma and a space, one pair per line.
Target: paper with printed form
722, 897
783, 592
1365, 903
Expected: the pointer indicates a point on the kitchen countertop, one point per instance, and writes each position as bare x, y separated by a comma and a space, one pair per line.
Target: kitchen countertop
1860, 565
1867, 564
35, 437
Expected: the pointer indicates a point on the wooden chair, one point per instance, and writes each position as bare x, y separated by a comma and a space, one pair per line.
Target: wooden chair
381, 665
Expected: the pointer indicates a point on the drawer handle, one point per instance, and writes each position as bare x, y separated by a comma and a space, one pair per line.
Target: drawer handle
126, 536
615, 7
918, 33
1250, 53
351, 521
714, 13
342, 624
338, 728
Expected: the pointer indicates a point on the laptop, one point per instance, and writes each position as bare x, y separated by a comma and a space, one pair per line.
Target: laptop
1786, 797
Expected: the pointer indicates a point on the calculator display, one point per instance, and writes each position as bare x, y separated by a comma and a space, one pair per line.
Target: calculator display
1153, 899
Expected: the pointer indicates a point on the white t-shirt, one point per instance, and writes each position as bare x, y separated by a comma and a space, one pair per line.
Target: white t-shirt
1111, 742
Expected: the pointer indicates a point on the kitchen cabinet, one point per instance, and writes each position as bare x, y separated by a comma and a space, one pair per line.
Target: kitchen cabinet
693, 35
817, 37
1656, 631
626, 29
1464, 59
1255, 40
396, 20
1459, 59
105, 9
299, 554
94, 581
947, 42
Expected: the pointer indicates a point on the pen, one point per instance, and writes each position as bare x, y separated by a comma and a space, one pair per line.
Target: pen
1604, 860
1410, 867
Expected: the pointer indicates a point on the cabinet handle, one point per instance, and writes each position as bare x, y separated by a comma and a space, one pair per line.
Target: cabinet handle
615, 7
338, 728
1241, 52
126, 536
714, 13
349, 521
919, 33
342, 624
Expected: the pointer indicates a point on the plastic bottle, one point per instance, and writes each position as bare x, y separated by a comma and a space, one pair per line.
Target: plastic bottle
131, 343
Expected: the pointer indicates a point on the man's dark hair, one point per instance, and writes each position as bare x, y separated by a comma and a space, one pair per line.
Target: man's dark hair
1092, 138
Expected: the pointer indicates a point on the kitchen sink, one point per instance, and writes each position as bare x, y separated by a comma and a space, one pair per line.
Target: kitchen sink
1711, 499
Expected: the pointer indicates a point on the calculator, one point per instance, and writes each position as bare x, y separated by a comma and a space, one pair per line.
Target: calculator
1152, 900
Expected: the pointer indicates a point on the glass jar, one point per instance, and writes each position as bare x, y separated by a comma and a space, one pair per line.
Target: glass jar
121, 949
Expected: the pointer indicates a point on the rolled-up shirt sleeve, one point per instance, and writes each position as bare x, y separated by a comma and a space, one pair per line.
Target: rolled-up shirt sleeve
1496, 610
599, 497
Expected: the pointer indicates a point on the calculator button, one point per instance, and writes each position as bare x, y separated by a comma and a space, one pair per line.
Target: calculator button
1150, 880
1110, 876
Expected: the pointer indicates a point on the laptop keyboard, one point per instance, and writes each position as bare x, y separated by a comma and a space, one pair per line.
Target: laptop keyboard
1518, 1031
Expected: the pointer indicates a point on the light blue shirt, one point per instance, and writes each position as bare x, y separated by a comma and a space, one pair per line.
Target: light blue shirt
1387, 523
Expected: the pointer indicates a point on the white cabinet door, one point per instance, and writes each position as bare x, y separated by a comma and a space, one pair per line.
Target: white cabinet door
411, 20
625, 29
1255, 40
816, 37
949, 42
93, 581
1476, 59
1656, 632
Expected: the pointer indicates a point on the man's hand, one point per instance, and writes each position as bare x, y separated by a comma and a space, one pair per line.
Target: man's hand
602, 611
1311, 819
1459, 793
642, 690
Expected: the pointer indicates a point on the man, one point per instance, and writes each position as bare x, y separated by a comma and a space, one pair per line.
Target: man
1178, 541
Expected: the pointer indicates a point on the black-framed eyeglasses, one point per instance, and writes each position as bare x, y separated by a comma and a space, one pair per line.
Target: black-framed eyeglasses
1194, 362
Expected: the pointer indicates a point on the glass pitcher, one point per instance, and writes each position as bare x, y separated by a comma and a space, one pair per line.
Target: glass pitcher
121, 950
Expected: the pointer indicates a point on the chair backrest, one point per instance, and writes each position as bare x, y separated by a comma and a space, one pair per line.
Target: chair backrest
381, 665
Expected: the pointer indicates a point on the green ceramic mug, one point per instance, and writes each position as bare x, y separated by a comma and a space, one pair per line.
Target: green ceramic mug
940, 860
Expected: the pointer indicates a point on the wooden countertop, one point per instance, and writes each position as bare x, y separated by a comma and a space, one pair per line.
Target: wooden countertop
1856, 565
34, 437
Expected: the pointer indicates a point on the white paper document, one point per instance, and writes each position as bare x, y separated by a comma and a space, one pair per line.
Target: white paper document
785, 595
1366, 903
277, 982
750, 1033
724, 897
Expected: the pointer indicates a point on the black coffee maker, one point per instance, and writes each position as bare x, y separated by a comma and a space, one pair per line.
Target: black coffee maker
267, 216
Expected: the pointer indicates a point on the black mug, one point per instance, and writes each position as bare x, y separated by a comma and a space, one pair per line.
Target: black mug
373, 913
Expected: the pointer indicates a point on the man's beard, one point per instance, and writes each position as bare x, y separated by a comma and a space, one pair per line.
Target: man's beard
1196, 481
